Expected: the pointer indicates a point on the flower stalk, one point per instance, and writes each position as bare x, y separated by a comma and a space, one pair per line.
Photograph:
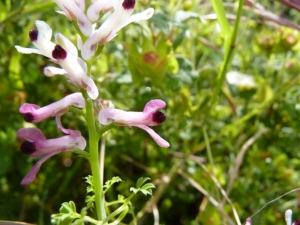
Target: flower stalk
94, 159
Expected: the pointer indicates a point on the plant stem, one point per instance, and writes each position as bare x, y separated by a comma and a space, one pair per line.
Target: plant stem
94, 158
229, 43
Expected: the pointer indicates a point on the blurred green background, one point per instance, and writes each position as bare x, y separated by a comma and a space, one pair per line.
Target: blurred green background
175, 56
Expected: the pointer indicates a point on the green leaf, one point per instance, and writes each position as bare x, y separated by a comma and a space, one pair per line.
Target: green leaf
89, 200
146, 189
109, 183
141, 181
89, 180
67, 214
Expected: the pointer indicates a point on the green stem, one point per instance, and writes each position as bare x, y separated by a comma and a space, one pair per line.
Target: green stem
94, 158
230, 39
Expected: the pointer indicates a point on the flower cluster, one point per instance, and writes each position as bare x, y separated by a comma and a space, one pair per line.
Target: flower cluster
64, 53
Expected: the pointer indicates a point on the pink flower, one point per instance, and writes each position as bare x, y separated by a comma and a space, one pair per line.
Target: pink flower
120, 18
34, 114
149, 117
37, 145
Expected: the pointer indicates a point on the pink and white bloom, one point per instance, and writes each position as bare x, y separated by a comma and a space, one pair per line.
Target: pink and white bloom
149, 117
120, 18
74, 10
34, 114
37, 145
74, 67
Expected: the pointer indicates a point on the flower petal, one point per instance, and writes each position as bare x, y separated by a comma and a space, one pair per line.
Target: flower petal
149, 116
95, 8
28, 50
66, 44
75, 72
154, 105
160, 141
31, 134
51, 71
43, 41
34, 114
74, 11
106, 116
144, 15
74, 133
31, 175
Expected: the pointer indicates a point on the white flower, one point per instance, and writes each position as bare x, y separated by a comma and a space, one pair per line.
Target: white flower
115, 22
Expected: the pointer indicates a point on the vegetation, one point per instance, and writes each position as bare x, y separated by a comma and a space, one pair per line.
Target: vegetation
231, 84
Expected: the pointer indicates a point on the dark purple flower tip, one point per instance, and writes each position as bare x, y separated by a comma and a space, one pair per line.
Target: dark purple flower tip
297, 222
33, 34
28, 117
158, 117
128, 4
59, 52
28, 147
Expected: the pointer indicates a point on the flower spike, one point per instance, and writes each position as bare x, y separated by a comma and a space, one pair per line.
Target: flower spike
109, 29
37, 145
34, 114
149, 117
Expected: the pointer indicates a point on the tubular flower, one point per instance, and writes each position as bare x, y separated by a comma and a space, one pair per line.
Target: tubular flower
74, 10
34, 114
37, 145
75, 68
40, 38
120, 18
149, 117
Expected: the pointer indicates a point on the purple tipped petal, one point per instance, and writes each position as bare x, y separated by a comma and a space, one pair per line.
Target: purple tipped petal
77, 75
161, 142
43, 42
149, 117
31, 175
34, 114
42, 146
